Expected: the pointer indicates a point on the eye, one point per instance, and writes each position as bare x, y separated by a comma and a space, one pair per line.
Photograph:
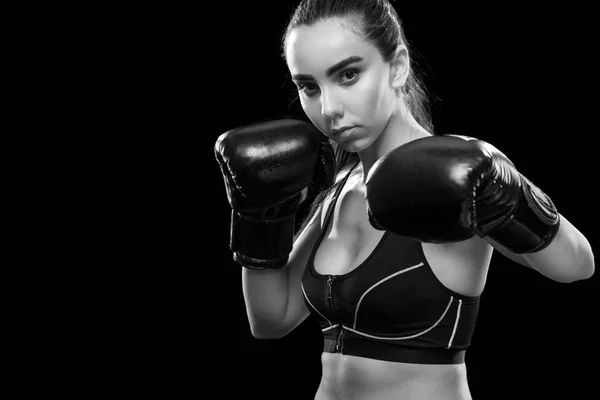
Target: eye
308, 88
349, 76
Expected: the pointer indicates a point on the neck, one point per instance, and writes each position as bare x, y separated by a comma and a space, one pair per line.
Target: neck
400, 129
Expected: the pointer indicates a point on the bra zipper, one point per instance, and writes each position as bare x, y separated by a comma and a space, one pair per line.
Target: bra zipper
330, 279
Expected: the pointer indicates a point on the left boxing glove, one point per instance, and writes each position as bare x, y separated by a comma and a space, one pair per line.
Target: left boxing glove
448, 188
268, 169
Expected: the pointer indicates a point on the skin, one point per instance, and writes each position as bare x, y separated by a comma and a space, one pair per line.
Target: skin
367, 95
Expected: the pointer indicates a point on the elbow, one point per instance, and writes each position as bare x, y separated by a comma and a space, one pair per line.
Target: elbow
586, 267
585, 256
265, 330
582, 270
265, 334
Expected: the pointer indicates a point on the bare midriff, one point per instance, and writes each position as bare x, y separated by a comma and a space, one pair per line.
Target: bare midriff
346, 377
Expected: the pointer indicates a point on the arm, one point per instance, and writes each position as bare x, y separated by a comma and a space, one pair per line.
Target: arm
268, 169
567, 258
451, 188
274, 299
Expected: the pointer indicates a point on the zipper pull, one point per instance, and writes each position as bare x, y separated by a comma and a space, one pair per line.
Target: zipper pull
338, 343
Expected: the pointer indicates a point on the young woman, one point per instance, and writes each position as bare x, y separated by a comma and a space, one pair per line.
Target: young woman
390, 261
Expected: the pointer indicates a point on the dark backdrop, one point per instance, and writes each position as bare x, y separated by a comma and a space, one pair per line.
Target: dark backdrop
514, 77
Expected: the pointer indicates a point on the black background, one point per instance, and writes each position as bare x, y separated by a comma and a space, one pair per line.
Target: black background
512, 76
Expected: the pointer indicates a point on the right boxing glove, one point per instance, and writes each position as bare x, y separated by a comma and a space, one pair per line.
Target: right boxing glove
268, 168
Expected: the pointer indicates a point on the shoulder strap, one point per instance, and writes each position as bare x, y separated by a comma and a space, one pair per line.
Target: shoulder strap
336, 195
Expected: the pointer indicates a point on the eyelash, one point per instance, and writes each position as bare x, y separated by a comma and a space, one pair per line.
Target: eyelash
303, 86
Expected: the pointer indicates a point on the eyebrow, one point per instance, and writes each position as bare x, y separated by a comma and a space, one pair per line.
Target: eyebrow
331, 70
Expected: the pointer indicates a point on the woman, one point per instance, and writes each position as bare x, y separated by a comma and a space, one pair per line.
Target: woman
397, 314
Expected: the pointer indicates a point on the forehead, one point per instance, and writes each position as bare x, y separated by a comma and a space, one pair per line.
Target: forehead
312, 49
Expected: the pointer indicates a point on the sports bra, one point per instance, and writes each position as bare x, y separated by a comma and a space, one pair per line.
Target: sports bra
391, 307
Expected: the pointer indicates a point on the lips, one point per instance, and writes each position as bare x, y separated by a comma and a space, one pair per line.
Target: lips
337, 131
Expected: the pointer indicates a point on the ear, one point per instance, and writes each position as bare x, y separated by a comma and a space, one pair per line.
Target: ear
400, 67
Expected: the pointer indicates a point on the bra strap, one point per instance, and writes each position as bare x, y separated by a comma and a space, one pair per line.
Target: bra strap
337, 193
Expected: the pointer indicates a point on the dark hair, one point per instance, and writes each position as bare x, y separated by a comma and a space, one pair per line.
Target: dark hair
378, 22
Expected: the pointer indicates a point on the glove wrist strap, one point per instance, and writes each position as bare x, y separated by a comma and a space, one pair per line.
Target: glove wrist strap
533, 224
261, 244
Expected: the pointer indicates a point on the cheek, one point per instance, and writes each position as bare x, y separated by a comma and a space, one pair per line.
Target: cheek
312, 109
371, 100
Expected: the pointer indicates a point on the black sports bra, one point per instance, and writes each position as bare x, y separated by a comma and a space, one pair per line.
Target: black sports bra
391, 307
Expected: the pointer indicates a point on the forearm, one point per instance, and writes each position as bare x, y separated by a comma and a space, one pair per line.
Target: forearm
567, 258
266, 296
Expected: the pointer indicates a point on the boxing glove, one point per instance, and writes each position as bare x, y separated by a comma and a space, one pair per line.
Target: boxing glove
268, 169
449, 188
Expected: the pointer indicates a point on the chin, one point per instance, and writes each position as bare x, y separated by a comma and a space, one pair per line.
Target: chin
353, 147
356, 145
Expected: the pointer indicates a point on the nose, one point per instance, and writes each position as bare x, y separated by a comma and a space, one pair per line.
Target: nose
331, 107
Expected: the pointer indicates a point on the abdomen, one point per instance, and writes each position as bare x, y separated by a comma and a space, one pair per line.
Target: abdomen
355, 378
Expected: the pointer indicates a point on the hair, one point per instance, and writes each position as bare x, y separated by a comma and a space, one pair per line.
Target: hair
377, 22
